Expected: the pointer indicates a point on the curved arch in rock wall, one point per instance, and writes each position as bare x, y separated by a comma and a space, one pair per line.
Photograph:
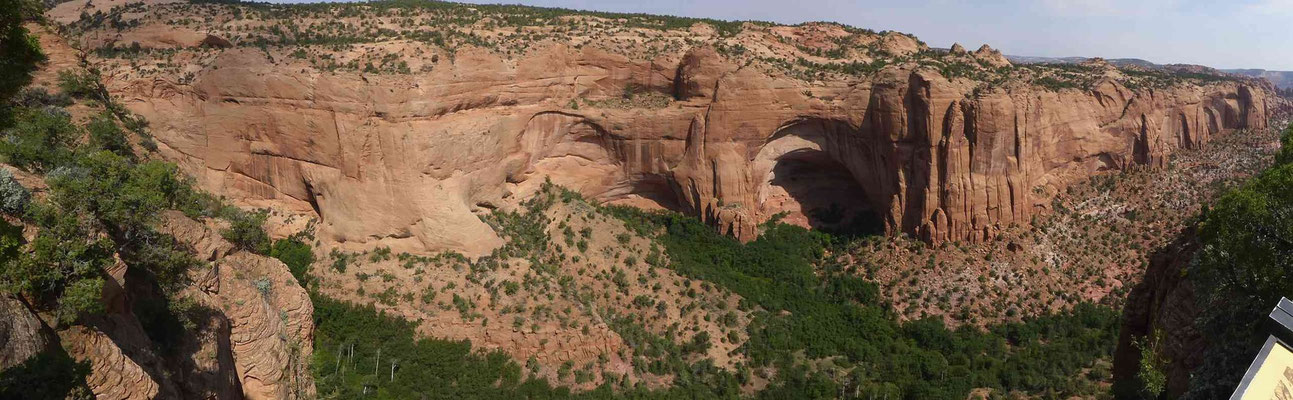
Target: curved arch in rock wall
1213, 125
1186, 139
569, 151
580, 155
817, 173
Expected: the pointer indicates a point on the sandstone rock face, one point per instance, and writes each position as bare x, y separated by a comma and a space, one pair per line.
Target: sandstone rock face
22, 334
264, 333
405, 160
899, 44
991, 56
272, 327
122, 366
254, 343
1163, 303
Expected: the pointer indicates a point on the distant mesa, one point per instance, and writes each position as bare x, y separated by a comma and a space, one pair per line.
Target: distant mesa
1281, 79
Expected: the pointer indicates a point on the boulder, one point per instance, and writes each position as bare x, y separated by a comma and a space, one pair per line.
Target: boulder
22, 334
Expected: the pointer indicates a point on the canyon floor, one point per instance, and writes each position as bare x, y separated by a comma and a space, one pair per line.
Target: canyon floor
1091, 248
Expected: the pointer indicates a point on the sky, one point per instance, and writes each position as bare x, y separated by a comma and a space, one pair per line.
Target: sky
1216, 33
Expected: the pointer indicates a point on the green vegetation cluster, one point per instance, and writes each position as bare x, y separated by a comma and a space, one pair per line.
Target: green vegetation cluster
1241, 271
102, 206
822, 329
63, 376
20, 49
808, 304
347, 364
100, 209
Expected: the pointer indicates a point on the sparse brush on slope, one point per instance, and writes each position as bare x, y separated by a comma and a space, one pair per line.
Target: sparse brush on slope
802, 318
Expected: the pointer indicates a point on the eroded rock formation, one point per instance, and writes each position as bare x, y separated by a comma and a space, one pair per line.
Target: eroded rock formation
1161, 312
22, 333
253, 341
265, 330
406, 159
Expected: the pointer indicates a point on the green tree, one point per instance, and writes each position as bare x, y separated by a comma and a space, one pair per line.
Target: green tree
65, 258
296, 254
247, 230
20, 49
39, 140
78, 84
1242, 270
106, 135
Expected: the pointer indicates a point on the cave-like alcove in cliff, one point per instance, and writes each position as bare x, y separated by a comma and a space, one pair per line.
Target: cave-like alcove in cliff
814, 190
645, 191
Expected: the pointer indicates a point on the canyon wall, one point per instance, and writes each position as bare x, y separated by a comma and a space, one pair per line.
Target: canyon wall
406, 159
1160, 313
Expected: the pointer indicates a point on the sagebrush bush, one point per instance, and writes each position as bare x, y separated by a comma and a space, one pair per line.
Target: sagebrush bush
13, 196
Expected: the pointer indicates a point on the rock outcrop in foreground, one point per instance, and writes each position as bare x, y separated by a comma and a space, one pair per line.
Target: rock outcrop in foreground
253, 342
239, 327
253, 339
406, 158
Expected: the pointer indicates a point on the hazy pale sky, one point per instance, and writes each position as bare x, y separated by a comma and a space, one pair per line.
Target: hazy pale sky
1217, 33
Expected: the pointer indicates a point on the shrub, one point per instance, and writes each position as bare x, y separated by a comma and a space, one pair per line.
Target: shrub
296, 254
79, 85
247, 230
81, 297
13, 196
340, 260
58, 268
1152, 378
40, 139
263, 285
37, 97
106, 135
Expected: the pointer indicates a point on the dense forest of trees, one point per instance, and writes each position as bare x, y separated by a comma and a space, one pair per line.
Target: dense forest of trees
838, 314
361, 352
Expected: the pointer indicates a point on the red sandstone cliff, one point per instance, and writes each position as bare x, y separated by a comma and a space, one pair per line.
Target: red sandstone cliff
406, 158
